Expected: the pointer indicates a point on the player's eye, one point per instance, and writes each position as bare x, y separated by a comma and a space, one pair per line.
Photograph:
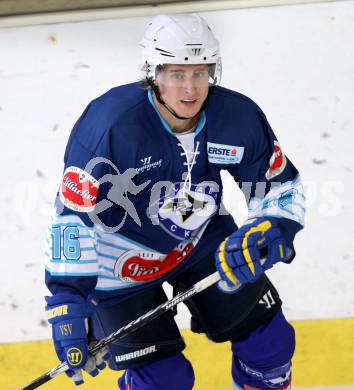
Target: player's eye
200, 74
178, 76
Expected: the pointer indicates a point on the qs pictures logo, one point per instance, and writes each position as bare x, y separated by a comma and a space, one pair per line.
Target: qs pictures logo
74, 356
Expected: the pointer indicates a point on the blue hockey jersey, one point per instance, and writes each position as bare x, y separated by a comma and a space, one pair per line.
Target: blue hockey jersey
134, 205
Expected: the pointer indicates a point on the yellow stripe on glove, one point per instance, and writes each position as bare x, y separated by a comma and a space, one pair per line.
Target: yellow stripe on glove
224, 264
262, 227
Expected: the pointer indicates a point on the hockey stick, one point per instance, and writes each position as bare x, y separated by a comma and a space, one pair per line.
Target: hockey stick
131, 327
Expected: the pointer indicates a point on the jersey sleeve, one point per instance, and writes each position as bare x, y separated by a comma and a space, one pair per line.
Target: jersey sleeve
71, 247
270, 182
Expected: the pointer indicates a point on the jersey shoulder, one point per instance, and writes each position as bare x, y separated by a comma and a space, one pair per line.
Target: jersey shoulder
233, 102
231, 114
113, 107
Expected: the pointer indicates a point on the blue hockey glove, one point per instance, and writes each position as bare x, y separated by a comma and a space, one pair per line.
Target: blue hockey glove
68, 315
245, 254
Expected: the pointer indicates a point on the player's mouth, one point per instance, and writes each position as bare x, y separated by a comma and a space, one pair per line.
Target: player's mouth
189, 102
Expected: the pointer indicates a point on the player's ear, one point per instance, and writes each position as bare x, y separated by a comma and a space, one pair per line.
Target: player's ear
159, 70
159, 85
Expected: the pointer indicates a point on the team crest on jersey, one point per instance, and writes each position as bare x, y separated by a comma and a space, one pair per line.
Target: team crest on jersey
183, 211
277, 162
144, 266
78, 190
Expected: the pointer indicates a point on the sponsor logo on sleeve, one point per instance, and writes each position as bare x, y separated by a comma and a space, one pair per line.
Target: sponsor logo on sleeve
277, 162
224, 154
78, 190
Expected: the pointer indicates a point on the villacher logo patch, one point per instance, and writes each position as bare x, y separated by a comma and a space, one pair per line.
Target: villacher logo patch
78, 190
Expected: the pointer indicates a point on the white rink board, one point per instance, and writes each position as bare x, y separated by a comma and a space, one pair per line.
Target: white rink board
296, 62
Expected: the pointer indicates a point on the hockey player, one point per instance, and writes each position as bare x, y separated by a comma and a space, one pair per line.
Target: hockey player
140, 204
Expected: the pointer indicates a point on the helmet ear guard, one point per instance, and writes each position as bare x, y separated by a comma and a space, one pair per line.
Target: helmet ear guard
215, 71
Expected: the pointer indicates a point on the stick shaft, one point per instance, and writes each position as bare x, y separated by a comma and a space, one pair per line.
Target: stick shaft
131, 327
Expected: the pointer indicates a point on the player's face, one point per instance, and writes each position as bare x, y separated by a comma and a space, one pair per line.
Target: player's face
184, 87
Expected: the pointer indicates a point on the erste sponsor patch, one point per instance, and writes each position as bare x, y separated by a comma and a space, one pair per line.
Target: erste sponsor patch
224, 154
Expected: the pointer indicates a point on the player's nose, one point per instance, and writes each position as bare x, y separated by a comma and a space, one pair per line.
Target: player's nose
189, 85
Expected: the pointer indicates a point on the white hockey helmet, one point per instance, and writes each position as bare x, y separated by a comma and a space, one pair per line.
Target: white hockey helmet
180, 39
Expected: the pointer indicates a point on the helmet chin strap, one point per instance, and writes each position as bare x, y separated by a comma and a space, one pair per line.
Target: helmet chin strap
156, 91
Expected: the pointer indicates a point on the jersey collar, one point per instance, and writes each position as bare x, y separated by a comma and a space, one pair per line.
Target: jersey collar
167, 127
